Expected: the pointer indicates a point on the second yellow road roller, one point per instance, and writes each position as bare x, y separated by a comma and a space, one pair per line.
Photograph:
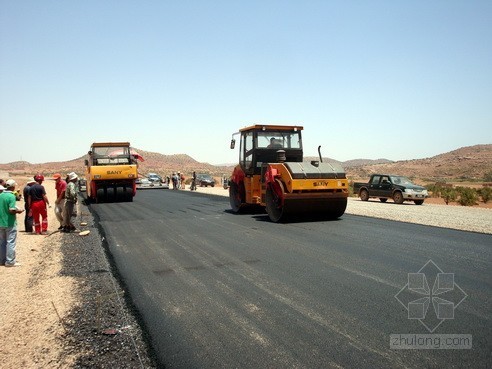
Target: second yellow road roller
272, 174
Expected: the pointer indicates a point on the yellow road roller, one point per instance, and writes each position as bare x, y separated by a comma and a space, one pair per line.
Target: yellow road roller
272, 174
111, 171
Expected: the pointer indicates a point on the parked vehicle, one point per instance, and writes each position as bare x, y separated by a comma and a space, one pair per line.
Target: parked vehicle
82, 185
153, 177
205, 180
144, 182
386, 186
147, 183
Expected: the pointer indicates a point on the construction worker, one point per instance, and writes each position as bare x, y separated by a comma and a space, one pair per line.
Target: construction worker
37, 205
27, 218
71, 200
8, 224
193, 182
60, 187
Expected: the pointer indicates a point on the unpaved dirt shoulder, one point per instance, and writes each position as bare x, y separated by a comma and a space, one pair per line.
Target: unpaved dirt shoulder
63, 308
33, 296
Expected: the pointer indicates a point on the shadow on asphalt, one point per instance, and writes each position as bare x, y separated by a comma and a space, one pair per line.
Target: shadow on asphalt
293, 219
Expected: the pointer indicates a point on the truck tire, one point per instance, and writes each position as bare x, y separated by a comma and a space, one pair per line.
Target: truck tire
398, 197
383, 199
418, 202
364, 195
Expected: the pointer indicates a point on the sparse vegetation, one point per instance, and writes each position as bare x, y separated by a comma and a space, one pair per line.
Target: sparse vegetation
434, 189
488, 177
442, 189
485, 194
449, 194
467, 196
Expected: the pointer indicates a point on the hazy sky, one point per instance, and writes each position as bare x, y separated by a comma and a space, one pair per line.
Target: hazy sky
367, 79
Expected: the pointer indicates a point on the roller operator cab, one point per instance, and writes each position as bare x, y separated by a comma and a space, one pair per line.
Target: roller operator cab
271, 173
111, 171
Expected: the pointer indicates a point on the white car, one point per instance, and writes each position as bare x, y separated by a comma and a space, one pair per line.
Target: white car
144, 182
153, 177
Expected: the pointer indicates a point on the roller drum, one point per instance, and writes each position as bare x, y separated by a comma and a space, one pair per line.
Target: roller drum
282, 207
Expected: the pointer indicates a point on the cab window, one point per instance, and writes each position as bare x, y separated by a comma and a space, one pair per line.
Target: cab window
375, 180
279, 140
385, 180
247, 149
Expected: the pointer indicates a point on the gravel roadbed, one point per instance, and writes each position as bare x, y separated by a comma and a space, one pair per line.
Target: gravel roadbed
464, 218
455, 217
103, 330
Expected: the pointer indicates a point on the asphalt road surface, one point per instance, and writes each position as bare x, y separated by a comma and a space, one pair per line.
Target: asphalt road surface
219, 290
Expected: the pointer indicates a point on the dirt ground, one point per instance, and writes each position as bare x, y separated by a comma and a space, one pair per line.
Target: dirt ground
440, 201
34, 298
50, 313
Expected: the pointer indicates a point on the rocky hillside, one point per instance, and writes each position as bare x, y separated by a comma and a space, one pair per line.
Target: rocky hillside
166, 164
351, 163
471, 162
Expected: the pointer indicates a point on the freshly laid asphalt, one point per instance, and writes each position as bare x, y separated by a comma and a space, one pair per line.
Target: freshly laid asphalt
219, 290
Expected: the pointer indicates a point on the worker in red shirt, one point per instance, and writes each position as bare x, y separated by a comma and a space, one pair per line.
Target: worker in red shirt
60, 187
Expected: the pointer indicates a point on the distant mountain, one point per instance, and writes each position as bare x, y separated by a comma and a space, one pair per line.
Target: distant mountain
350, 163
167, 164
153, 163
363, 162
470, 162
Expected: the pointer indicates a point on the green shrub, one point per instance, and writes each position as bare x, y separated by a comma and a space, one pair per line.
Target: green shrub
487, 177
486, 194
468, 196
449, 194
434, 189
437, 189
